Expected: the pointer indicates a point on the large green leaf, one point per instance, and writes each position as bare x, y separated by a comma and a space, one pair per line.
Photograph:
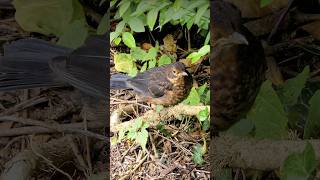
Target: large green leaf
299, 165
291, 89
57, 17
313, 122
268, 114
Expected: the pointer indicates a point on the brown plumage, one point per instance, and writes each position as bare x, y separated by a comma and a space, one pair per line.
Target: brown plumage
238, 66
165, 85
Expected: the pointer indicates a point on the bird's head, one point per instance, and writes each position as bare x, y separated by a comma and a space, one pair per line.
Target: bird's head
177, 72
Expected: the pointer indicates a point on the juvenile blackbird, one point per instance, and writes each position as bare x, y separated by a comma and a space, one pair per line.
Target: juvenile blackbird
165, 85
238, 66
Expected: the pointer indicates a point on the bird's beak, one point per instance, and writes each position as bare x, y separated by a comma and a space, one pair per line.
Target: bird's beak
239, 38
184, 74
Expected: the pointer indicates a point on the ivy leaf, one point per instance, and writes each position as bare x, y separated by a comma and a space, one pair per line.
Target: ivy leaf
74, 35
136, 24
313, 122
203, 115
125, 63
299, 165
197, 154
142, 138
124, 5
128, 40
164, 59
290, 91
268, 114
241, 128
193, 98
104, 25
152, 18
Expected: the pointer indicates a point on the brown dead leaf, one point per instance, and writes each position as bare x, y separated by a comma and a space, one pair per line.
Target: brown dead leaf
313, 28
169, 44
273, 73
146, 46
167, 147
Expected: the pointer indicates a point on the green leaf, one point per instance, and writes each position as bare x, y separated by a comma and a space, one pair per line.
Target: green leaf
159, 108
143, 6
137, 124
48, 17
177, 4
152, 18
242, 128
290, 91
268, 114
200, 12
152, 53
313, 122
139, 54
164, 59
195, 56
125, 63
124, 7
142, 138
136, 24
203, 115
197, 154
163, 130
193, 98
117, 41
122, 134
144, 67
152, 64
202, 89
264, 3
207, 99
104, 25
299, 165
128, 40
74, 35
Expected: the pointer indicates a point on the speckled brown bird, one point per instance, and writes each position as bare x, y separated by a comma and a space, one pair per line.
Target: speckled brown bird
165, 85
238, 66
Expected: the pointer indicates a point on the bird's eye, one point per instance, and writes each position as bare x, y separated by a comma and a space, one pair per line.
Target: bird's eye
174, 72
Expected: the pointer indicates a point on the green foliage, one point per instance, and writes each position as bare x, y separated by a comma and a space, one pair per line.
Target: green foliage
268, 114
163, 130
203, 117
138, 132
299, 165
196, 56
198, 152
264, 3
313, 121
242, 128
104, 25
62, 18
125, 63
291, 89
199, 95
155, 14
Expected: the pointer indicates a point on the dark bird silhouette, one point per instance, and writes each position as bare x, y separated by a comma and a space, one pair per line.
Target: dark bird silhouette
237, 69
165, 85
32, 63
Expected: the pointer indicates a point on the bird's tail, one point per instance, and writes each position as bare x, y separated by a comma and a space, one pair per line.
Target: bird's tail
25, 64
119, 81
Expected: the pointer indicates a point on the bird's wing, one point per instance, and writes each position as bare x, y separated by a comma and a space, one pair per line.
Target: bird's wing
152, 83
